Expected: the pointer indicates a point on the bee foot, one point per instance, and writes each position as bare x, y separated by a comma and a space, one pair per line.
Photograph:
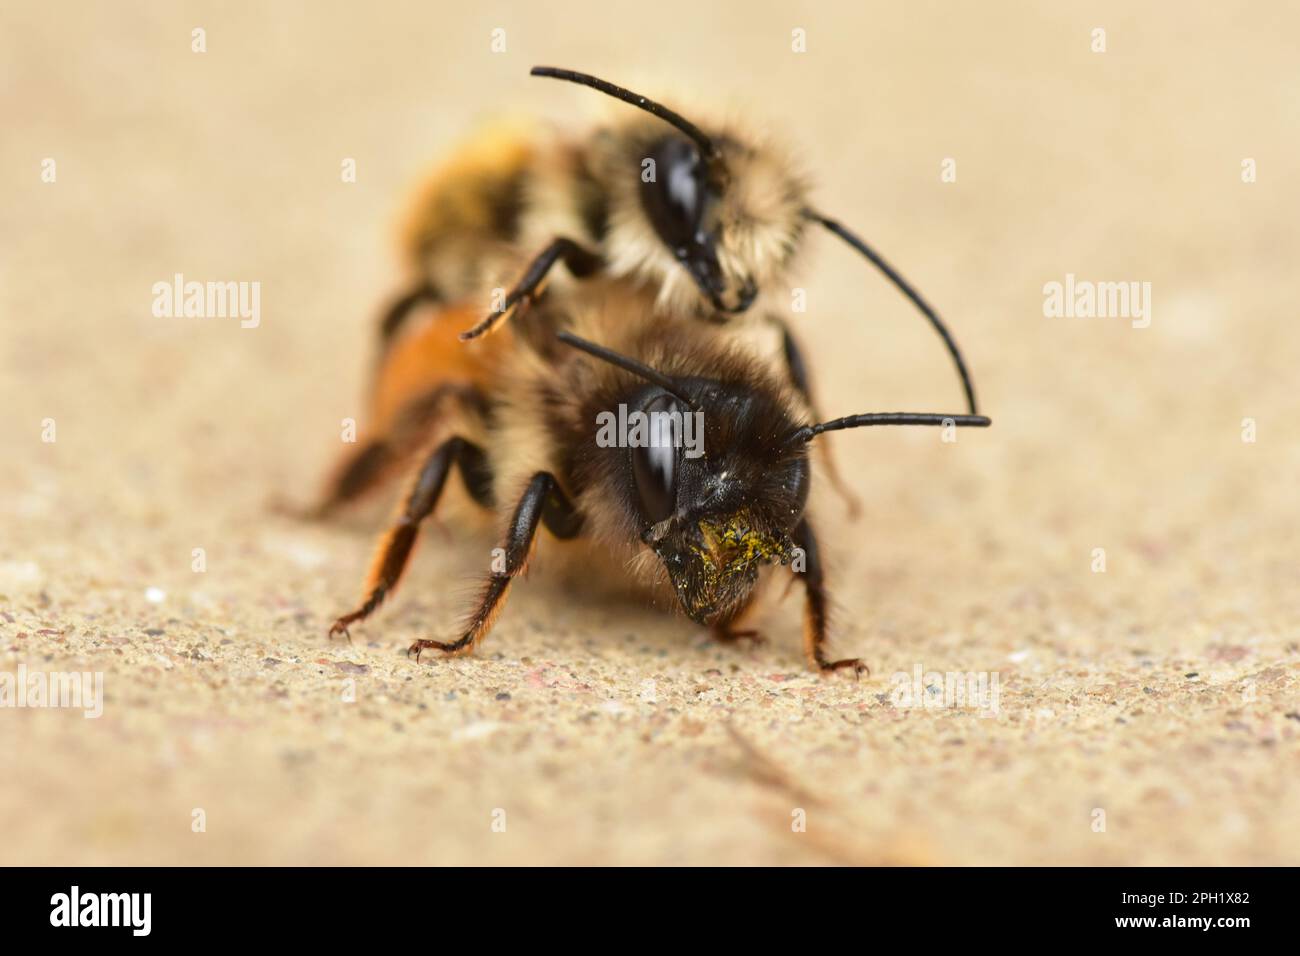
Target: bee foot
422, 645
849, 663
340, 627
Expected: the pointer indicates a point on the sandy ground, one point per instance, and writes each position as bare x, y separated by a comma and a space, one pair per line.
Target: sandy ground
1147, 714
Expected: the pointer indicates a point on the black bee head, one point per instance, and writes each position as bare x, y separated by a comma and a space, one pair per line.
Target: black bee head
719, 494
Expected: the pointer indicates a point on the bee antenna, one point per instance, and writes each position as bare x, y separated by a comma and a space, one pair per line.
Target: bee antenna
710, 151
808, 432
628, 365
905, 287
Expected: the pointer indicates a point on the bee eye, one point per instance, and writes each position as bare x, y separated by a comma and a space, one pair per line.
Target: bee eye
674, 201
654, 463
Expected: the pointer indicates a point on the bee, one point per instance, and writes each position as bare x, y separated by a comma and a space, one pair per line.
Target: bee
695, 504
706, 218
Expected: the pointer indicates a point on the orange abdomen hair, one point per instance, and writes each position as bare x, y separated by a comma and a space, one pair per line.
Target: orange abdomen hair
431, 355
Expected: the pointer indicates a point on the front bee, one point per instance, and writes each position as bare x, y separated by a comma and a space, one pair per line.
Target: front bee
715, 510
708, 487
681, 457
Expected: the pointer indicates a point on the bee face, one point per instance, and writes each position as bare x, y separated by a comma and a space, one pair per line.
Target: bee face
731, 223
716, 512
681, 203
714, 563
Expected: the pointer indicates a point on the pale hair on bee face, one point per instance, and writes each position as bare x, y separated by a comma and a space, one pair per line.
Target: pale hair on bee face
757, 219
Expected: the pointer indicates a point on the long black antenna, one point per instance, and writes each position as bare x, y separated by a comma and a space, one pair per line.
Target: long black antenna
906, 288
809, 432
628, 365
709, 151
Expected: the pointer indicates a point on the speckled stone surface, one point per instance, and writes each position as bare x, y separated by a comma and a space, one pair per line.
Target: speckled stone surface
1146, 714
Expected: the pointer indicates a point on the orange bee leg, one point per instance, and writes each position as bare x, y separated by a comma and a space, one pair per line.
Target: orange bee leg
395, 547
542, 501
578, 260
364, 468
360, 470
400, 309
815, 608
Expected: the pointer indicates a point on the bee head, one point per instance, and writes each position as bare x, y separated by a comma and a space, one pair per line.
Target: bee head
729, 211
715, 491
731, 219
712, 473
709, 218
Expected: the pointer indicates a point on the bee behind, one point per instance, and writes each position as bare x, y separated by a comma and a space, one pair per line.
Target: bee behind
707, 220
680, 456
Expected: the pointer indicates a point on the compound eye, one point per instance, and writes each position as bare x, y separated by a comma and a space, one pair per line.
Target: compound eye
674, 201
654, 462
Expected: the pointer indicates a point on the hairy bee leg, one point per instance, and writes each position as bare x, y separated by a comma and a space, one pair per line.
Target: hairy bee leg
395, 546
579, 261
798, 370
400, 309
359, 471
541, 501
364, 468
815, 607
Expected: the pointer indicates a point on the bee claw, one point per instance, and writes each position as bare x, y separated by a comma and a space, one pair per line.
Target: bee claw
341, 627
858, 668
422, 644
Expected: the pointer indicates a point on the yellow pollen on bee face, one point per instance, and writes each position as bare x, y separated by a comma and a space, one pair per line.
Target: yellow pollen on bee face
734, 546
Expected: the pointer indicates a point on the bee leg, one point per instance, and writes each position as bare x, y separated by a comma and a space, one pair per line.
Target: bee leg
358, 472
400, 309
395, 546
815, 607
364, 468
798, 370
579, 261
542, 501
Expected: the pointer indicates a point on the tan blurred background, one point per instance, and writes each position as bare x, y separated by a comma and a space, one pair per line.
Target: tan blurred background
1162, 692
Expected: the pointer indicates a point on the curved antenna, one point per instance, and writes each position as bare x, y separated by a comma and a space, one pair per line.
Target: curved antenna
628, 365
808, 432
710, 151
905, 287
